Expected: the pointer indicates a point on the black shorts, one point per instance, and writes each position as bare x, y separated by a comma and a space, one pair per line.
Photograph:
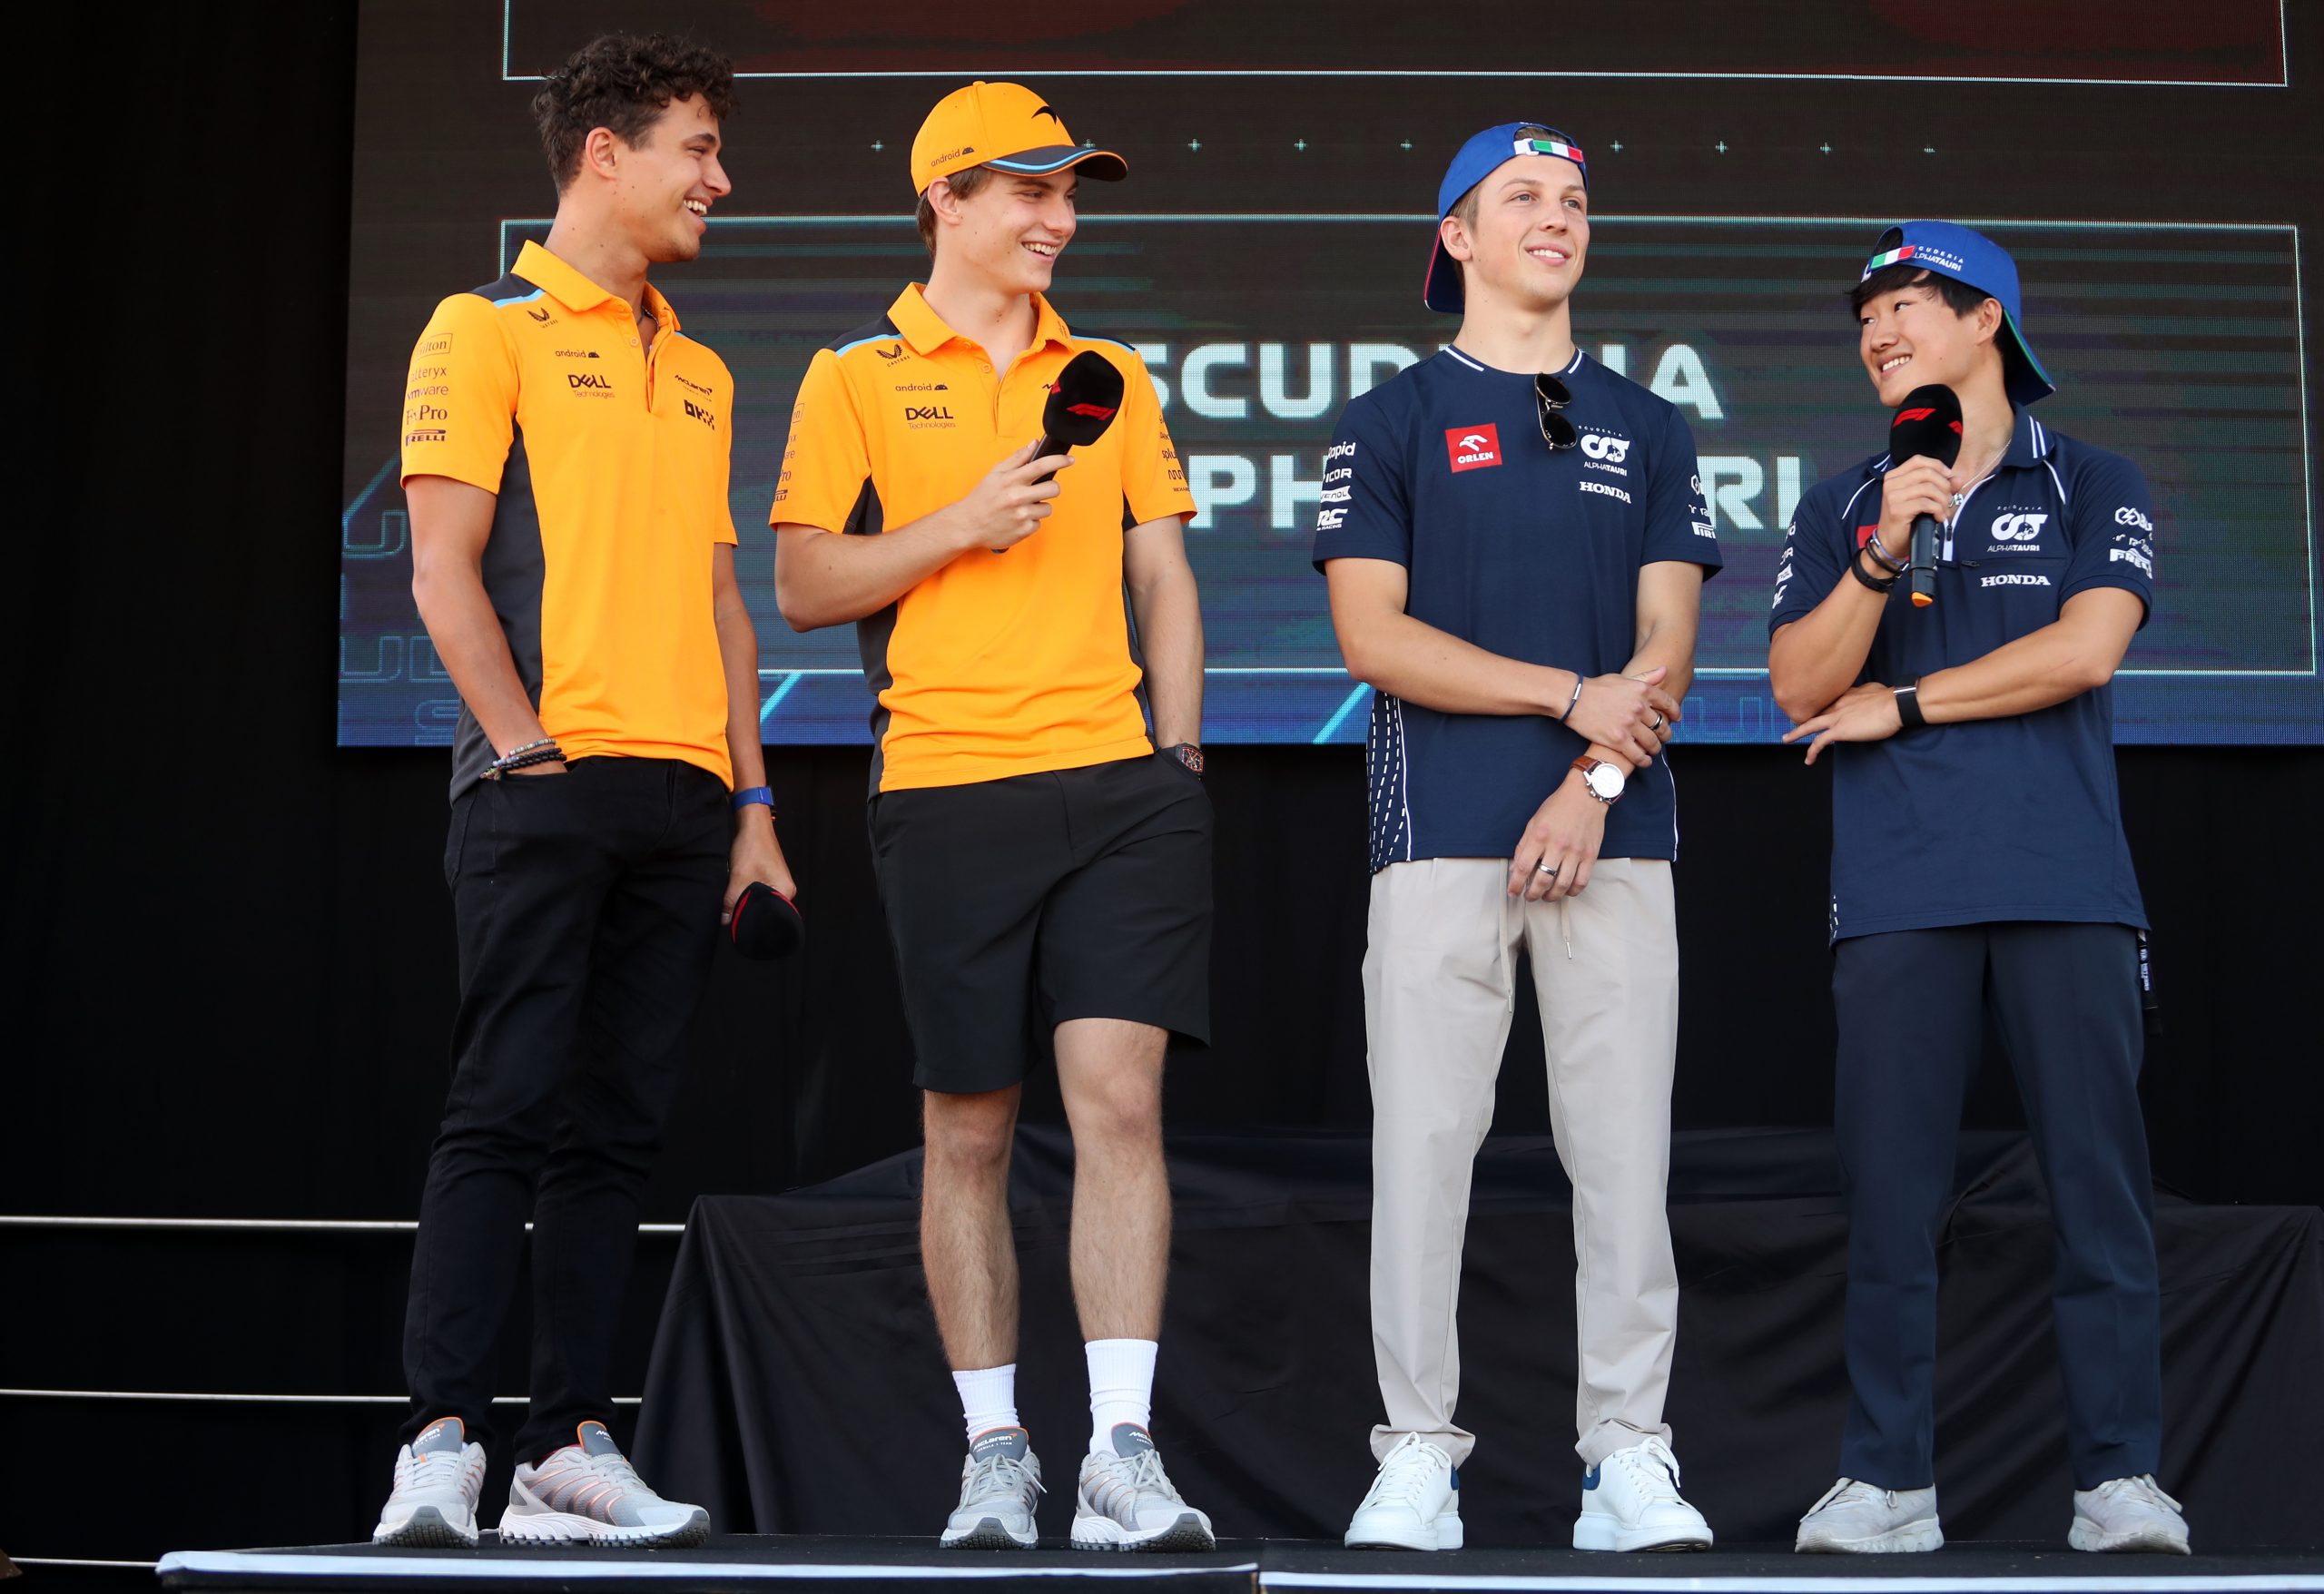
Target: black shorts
1071, 894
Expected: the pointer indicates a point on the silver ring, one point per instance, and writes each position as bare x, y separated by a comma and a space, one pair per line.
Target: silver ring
1659, 720
1545, 869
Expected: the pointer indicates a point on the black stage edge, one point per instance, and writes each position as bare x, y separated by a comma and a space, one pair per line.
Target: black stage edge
807, 1562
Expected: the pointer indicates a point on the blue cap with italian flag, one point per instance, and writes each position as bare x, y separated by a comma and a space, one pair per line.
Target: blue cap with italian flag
1479, 159
1946, 249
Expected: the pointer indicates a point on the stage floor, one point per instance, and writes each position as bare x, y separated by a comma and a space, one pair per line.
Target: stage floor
802, 1564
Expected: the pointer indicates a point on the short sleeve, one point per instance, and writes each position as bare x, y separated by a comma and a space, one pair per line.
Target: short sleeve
1154, 479
1816, 551
2111, 524
1366, 510
460, 404
825, 460
1678, 517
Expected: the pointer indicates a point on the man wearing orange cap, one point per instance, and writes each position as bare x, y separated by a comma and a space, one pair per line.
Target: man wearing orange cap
1044, 869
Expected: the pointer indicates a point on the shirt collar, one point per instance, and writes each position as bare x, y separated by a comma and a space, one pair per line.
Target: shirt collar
926, 331
575, 291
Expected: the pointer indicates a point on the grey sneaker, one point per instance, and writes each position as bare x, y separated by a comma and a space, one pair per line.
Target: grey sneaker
1854, 1518
588, 1494
1126, 1500
2127, 1514
439, 1476
999, 1482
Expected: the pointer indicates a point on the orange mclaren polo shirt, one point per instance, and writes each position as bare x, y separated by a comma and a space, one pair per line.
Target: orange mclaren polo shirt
610, 462
997, 664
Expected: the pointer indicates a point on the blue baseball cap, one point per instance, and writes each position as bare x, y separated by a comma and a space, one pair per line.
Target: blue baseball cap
1945, 249
1479, 159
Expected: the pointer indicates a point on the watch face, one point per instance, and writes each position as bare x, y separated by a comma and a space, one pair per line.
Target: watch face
1605, 783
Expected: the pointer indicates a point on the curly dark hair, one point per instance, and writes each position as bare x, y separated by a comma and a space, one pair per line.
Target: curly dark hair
623, 83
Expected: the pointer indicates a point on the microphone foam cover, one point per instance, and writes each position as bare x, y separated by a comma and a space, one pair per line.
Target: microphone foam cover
765, 925
1082, 404
1927, 422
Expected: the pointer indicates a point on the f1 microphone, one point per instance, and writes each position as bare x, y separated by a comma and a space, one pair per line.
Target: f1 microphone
1082, 404
1928, 422
765, 925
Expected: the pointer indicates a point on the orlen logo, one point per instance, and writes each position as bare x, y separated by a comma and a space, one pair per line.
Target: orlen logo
2017, 529
1612, 450
1472, 447
590, 379
702, 414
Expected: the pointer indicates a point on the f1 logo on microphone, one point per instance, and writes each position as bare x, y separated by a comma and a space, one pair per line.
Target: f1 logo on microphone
1472, 447
1094, 411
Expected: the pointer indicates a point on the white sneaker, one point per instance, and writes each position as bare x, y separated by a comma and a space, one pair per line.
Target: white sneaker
1413, 1504
1000, 1481
1631, 1500
2128, 1513
1126, 1500
439, 1476
1856, 1518
588, 1494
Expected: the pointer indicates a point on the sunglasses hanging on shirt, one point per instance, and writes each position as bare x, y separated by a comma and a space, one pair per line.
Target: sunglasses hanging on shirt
1549, 396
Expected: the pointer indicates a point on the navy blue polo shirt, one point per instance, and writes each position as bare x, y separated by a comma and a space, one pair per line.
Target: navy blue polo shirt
1983, 821
1527, 553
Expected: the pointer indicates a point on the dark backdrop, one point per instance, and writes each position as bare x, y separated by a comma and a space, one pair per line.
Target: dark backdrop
227, 955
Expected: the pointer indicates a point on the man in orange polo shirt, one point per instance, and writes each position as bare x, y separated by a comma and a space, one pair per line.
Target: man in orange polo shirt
565, 457
1045, 870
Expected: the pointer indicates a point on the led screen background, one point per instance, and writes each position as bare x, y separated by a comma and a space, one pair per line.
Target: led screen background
1265, 257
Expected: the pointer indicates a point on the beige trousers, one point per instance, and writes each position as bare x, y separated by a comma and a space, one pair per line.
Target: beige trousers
1440, 985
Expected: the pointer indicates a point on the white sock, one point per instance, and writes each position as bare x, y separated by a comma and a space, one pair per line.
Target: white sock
1122, 1387
988, 1398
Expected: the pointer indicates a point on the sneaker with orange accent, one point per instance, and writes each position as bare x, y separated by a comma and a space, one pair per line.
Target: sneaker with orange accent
588, 1494
439, 1476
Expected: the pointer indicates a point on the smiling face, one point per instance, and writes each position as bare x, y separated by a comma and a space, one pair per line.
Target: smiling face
1009, 231
664, 184
1909, 335
1522, 234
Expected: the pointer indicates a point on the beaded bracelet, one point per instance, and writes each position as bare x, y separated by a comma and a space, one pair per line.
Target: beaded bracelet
544, 750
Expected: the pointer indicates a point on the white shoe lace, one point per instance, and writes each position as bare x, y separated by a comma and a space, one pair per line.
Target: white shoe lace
999, 1473
1652, 1464
1146, 1477
1851, 1489
1406, 1475
434, 1469
2141, 1489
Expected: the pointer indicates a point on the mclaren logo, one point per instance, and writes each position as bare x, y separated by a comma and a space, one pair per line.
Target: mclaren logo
1052, 115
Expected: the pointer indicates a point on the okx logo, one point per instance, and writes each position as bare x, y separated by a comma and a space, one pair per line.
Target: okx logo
1472, 447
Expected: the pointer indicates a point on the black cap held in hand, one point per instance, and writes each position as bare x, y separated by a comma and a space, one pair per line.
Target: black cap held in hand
765, 925
1927, 422
1082, 404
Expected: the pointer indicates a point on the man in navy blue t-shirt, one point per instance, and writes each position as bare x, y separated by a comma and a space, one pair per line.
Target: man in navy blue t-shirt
1979, 872
1516, 542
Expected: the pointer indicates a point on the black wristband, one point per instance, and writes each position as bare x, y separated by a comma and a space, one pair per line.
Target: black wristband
1855, 568
1908, 706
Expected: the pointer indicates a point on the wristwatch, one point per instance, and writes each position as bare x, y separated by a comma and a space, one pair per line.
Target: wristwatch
1605, 780
1186, 754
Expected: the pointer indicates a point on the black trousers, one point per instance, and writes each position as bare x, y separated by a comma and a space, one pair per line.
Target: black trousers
2064, 1001
586, 906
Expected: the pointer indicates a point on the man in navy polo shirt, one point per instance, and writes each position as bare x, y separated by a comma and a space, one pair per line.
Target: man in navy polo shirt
1516, 542
1979, 872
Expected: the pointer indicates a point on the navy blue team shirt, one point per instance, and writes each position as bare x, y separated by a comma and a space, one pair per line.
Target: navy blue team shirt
1527, 553
1983, 821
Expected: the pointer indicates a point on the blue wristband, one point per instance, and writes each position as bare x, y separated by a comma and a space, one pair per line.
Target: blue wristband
750, 794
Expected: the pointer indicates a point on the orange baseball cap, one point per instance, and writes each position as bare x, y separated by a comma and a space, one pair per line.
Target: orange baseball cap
1001, 125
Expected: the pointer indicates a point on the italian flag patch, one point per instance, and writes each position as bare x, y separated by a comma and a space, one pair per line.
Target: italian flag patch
1890, 259
1549, 146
